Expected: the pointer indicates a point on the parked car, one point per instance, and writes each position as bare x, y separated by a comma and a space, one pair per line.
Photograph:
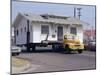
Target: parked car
15, 50
91, 46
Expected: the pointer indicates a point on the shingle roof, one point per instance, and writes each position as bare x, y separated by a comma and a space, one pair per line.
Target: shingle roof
51, 18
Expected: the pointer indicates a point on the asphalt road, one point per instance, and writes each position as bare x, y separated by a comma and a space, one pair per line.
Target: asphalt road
45, 61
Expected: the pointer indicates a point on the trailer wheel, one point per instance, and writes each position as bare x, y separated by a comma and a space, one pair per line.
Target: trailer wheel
33, 48
28, 49
55, 47
14, 54
17, 53
80, 51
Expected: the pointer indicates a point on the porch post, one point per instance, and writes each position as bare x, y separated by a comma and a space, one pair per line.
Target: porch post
28, 36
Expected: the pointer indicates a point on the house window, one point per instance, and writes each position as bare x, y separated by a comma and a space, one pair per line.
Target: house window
73, 30
44, 29
17, 33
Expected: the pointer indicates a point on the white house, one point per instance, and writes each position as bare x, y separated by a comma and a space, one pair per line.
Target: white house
35, 28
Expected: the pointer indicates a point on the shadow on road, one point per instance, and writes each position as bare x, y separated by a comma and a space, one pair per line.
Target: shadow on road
39, 51
48, 51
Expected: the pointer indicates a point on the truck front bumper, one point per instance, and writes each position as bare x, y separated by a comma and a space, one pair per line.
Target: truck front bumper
76, 47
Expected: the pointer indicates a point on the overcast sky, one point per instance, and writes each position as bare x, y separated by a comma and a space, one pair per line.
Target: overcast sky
87, 12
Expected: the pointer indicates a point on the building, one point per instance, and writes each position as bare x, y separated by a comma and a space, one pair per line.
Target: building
89, 35
35, 28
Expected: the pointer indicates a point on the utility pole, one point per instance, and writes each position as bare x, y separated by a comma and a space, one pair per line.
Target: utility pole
79, 12
74, 12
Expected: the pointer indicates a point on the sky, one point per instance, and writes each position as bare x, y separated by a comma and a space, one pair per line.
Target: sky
87, 12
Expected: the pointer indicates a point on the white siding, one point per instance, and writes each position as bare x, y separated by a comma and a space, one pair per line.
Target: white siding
52, 31
22, 36
31, 32
35, 32
66, 29
38, 37
80, 33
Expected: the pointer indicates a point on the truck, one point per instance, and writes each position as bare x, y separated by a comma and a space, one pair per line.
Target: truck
71, 42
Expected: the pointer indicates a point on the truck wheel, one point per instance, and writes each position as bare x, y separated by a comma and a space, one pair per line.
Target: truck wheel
54, 47
61, 48
33, 48
17, 53
28, 49
13, 54
80, 51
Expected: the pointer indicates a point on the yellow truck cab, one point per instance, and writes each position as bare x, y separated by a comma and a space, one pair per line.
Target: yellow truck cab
71, 42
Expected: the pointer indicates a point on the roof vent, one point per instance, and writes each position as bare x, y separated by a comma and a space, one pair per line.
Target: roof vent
26, 14
44, 16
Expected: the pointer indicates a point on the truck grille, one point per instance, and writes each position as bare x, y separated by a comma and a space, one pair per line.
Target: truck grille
77, 45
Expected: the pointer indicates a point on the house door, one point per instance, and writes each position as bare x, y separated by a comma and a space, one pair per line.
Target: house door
60, 33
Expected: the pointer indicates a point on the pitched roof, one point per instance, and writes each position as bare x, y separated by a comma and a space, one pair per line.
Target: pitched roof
48, 18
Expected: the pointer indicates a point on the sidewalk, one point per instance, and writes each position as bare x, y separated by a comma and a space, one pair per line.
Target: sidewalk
19, 65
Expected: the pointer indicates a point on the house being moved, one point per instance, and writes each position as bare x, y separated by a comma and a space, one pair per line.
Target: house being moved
39, 29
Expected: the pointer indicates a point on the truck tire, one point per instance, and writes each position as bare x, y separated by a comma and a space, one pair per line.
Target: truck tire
13, 54
80, 51
33, 48
28, 49
17, 53
55, 47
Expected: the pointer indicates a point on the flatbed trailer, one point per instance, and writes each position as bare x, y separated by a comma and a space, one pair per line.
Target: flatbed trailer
56, 45
65, 45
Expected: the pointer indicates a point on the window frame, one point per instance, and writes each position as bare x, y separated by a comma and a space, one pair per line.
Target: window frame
73, 30
44, 29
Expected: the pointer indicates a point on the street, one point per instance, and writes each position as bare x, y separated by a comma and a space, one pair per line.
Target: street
47, 61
